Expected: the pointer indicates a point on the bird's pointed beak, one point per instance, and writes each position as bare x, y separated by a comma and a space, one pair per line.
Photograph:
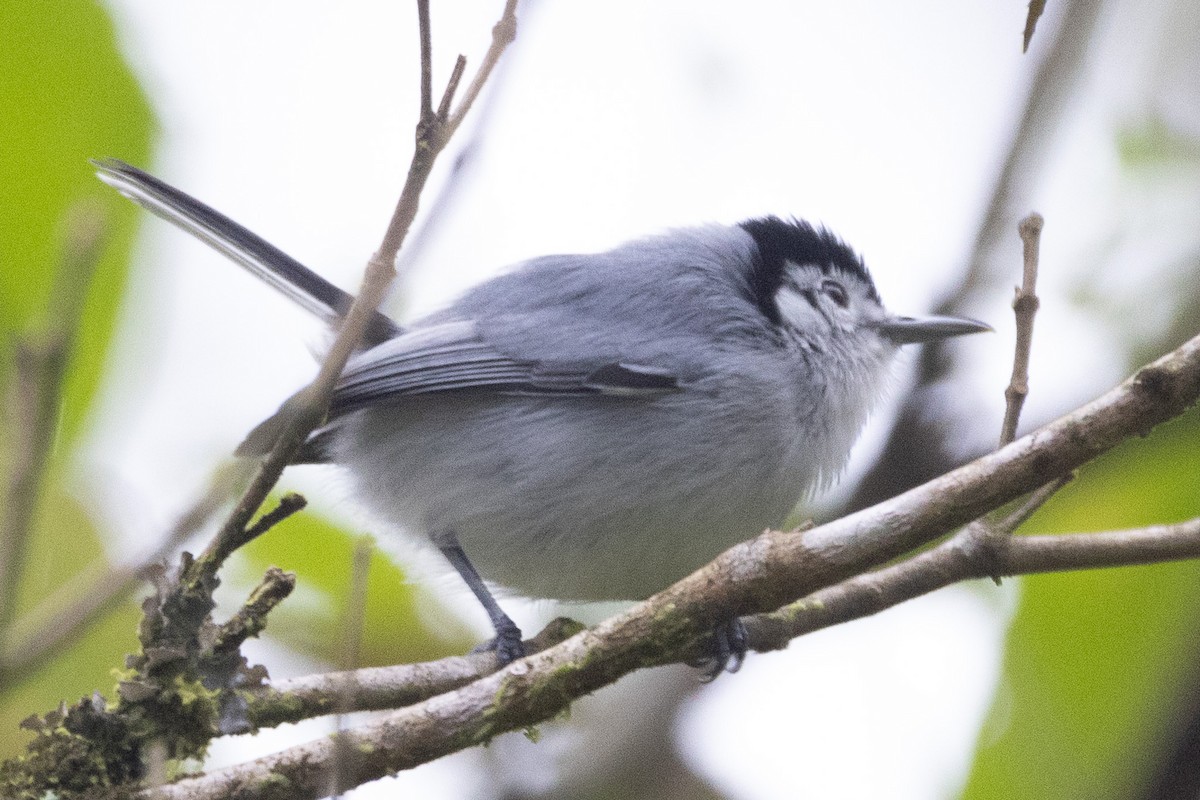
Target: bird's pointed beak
916, 330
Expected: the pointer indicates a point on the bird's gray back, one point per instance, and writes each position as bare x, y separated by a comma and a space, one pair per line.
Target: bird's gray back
645, 301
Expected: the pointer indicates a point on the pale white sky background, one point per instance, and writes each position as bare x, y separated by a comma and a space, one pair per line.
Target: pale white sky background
614, 119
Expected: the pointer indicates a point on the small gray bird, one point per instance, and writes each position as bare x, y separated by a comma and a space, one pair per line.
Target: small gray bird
596, 427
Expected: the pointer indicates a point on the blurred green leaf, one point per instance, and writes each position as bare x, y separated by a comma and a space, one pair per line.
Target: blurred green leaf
1154, 143
65, 544
86, 666
67, 96
397, 627
1095, 659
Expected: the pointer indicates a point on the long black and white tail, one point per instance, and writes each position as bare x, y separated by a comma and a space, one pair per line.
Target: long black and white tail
251, 251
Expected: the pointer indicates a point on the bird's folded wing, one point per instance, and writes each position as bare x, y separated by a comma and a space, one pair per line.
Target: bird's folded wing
452, 357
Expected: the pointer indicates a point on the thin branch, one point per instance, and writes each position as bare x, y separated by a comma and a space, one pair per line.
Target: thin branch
222, 547
41, 365
757, 576
35, 414
950, 563
988, 537
310, 405
1036, 7
251, 618
426, 59
1025, 306
299, 417
1063, 552
1034, 501
989, 534
385, 688
460, 67
503, 34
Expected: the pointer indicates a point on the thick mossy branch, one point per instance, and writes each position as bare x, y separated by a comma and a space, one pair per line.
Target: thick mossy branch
76, 752
188, 685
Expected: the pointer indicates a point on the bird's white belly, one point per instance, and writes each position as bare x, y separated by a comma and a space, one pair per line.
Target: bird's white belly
571, 498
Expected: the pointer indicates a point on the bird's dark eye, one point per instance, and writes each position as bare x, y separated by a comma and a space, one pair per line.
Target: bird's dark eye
837, 293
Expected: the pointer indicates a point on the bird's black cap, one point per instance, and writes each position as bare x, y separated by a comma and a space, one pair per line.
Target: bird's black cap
780, 241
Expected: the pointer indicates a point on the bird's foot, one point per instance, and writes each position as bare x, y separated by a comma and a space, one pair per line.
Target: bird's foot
726, 651
506, 644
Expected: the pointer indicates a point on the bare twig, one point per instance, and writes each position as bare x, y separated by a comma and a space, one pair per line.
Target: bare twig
305, 410
1035, 500
41, 362
989, 534
35, 413
503, 34
432, 140
460, 66
758, 576
1062, 552
988, 537
222, 547
1036, 7
1025, 306
426, 37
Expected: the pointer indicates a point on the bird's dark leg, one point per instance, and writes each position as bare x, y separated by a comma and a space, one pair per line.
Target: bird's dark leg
507, 643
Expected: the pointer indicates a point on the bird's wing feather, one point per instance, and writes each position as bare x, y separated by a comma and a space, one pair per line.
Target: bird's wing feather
452, 357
